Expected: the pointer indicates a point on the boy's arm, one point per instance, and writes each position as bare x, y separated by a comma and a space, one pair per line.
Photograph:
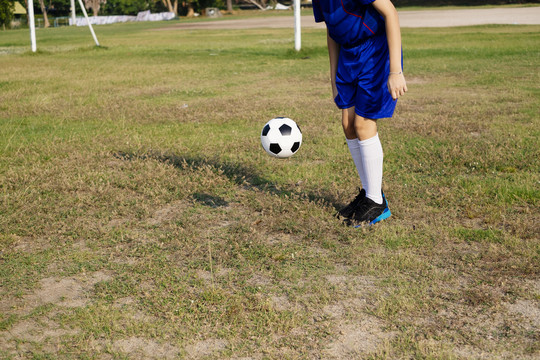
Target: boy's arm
396, 80
333, 54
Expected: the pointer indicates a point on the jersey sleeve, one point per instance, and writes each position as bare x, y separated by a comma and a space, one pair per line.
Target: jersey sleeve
366, 2
317, 12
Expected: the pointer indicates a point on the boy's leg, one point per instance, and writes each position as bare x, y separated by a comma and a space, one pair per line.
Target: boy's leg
347, 121
364, 128
371, 155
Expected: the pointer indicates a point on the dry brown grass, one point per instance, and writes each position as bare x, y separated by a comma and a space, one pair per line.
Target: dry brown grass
133, 226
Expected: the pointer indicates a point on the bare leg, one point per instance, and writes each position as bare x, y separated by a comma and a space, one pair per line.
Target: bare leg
364, 128
347, 121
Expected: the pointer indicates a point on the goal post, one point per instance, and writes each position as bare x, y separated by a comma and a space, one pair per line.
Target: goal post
297, 26
73, 12
88, 22
32, 23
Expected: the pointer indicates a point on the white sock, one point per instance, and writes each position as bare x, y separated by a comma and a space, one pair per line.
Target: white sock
354, 148
372, 163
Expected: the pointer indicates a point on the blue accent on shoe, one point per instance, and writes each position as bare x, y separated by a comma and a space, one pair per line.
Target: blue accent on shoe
385, 215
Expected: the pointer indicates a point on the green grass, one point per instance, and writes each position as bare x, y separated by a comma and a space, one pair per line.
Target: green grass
140, 218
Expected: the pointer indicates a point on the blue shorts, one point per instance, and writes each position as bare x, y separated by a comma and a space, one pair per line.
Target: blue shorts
362, 76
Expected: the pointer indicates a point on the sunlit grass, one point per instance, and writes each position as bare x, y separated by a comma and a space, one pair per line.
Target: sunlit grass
133, 173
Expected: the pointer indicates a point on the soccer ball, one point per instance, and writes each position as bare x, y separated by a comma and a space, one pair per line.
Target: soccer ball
281, 137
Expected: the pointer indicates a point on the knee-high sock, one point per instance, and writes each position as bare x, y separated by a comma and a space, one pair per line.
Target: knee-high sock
372, 163
354, 148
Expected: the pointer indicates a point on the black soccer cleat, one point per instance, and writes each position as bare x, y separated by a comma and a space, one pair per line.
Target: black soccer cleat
369, 212
347, 211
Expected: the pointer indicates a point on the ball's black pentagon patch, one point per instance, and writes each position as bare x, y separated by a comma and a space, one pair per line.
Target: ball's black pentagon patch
285, 130
295, 146
275, 148
266, 129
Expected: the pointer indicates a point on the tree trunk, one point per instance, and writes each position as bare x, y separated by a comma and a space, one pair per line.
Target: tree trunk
44, 11
169, 5
190, 10
256, 4
229, 5
175, 7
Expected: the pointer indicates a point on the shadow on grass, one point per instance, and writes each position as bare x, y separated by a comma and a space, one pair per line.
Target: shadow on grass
210, 200
240, 174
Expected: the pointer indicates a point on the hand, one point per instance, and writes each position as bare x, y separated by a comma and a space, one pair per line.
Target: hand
397, 85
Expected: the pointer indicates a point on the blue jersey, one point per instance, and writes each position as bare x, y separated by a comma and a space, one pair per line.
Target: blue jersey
349, 22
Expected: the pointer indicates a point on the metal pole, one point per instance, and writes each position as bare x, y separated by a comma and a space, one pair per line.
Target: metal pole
73, 13
88, 21
32, 25
297, 26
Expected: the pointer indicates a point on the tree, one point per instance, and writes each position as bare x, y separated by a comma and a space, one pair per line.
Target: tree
171, 6
94, 5
44, 12
130, 7
7, 7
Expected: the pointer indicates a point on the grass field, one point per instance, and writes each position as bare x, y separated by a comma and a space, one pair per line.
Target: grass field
140, 217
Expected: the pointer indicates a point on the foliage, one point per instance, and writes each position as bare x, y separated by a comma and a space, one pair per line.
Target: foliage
131, 7
58, 8
7, 7
202, 4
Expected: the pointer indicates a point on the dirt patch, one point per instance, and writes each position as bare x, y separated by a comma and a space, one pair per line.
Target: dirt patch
358, 334
280, 239
344, 307
45, 332
281, 303
30, 244
358, 339
259, 280
361, 284
125, 301
534, 285
208, 276
30, 330
471, 352
65, 292
169, 212
205, 348
141, 348
528, 309
423, 18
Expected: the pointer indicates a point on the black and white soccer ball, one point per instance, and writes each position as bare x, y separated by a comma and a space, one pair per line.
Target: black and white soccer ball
281, 137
